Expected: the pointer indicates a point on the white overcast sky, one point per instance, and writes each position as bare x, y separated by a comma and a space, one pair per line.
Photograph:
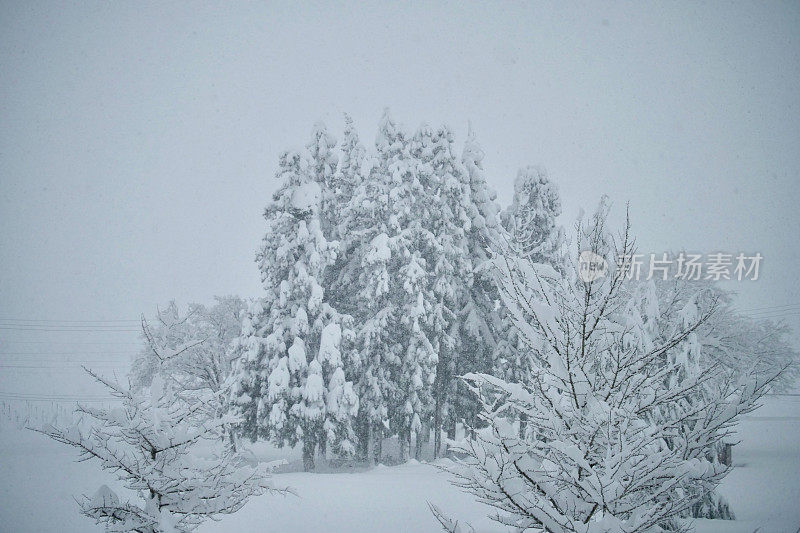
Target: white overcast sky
139, 141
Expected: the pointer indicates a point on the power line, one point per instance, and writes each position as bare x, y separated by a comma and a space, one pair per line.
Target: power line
71, 342
69, 353
19, 361
777, 315
55, 400
68, 321
67, 361
49, 363
34, 324
770, 307
36, 328
64, 367
772, 312
773, 317
55, 397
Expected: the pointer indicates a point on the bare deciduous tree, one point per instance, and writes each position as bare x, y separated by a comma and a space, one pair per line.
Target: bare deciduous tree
152, 443
612, 442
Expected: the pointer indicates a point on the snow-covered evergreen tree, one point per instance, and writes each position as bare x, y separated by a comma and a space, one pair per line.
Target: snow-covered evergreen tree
337, 356
409, 284
345, 219
347, 178
447, 209
414, 228
531, 218
367, 283
481, 335
381, 290
295, 351
532, 233
248, 373
324, 161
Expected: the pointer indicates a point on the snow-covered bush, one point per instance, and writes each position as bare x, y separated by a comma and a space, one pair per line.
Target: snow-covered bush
149, 442
617, 432
192, 349
203, 333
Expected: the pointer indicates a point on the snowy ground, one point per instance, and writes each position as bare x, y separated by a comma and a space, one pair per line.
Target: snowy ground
764, 488
38, 479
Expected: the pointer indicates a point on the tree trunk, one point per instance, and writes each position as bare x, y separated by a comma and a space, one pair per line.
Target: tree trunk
365, 443
451, 429
232, 437
437, 427
426, 433
378, 445
418, 446
404, 438
308, 456
726, 454
322, 454
369, 453
362, 433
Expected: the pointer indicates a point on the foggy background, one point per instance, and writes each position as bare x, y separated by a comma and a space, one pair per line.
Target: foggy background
139, 142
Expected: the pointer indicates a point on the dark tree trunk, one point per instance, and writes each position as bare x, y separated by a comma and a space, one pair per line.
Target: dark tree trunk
726, 454
308, 456
451, 428
405, 443
362, 433
523, 424
441, 386
437, 427
426, 433
369, 445
377, 448
232, 437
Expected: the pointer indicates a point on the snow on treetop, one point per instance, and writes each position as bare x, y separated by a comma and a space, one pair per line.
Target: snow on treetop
306, 196
297, 355
379, 249
329, 344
